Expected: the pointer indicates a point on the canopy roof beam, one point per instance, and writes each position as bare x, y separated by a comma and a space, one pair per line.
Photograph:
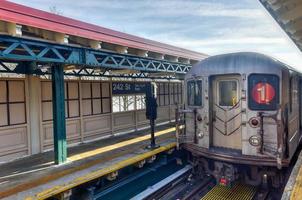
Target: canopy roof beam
20, 49
288, 15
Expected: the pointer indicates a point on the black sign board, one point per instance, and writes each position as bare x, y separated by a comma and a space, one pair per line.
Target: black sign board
128, 87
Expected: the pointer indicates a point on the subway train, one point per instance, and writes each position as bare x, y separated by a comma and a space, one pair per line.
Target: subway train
242, 117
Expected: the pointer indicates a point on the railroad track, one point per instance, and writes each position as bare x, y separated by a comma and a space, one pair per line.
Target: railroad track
187, 184
237, 192
205, 189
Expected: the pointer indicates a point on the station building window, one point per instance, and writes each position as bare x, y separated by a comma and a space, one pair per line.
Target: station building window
123, 103
169, 93
72, 100
140, 102
96, 98
163, 94
12, 102
175, 93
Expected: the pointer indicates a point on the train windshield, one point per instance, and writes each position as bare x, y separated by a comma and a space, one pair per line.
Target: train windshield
228, 92
194, 88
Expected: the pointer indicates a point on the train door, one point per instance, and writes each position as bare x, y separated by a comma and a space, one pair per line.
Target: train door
226, 111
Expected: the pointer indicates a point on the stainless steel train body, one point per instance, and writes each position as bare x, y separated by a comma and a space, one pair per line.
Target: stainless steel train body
242, 109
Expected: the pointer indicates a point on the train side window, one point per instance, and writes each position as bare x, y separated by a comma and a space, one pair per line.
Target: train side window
263, 91
293, 93
194, 95
228, 92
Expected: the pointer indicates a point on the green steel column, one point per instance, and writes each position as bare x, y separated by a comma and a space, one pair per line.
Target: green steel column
59, 122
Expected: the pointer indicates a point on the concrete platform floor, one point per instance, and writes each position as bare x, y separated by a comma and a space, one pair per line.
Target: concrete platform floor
293, 188
37, 177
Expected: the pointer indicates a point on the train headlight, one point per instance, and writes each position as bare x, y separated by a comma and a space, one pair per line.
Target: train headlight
200, 134
255, 140
199, 118
254, 122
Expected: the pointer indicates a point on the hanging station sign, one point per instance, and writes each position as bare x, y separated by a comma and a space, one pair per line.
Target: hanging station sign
128, 87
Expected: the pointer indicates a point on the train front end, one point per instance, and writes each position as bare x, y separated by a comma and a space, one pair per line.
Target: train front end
234, 116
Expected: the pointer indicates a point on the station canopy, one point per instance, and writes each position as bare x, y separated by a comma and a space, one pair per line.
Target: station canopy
39, 37
288, 13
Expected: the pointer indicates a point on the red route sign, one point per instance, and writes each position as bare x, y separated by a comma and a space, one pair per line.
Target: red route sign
263, 93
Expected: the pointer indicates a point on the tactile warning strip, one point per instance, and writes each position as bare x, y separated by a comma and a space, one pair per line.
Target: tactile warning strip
237, 192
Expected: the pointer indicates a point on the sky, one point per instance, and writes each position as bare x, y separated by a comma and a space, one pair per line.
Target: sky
208, 26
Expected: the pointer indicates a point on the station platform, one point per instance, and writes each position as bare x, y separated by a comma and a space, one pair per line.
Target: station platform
293, 188
37, 177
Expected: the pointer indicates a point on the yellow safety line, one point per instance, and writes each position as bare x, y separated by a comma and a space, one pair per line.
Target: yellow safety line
50, 177
297, 190
99, 173
117, 145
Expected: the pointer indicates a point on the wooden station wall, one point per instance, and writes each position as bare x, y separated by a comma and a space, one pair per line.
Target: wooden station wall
92, 112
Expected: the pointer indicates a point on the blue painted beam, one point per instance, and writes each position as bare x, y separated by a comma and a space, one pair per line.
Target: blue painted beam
21, 49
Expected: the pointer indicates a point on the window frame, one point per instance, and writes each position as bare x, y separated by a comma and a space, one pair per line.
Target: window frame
119, 102
101, 97
187, 93
293, 97
142, 96
163, 94
277, 90
7, 102
176, 96
290, 94
218, 90
67, 100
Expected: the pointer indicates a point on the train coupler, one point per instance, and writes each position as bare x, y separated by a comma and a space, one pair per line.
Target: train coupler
225, 174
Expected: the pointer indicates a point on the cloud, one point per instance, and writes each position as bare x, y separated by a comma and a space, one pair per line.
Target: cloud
208, 26
233, 41
238, 13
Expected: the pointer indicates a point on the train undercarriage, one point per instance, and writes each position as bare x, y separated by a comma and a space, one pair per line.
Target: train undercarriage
228, 170
227, 174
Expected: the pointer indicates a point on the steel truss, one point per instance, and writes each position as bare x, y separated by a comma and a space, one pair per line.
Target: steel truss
21, 49
32, 68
